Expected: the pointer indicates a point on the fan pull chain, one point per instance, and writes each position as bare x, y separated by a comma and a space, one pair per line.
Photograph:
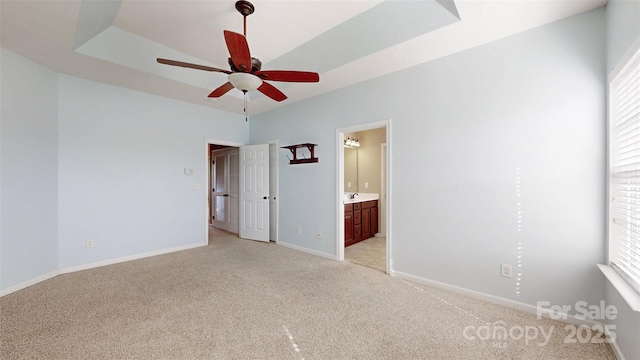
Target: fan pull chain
246, 118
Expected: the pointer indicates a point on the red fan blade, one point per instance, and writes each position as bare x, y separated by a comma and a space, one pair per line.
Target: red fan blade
272, 92
191, 66
221, 90
239, 50
288, 75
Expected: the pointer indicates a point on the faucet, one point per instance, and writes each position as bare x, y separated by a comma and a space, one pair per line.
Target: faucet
353, 196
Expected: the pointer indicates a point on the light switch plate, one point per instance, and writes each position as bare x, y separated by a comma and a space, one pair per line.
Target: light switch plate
506, 270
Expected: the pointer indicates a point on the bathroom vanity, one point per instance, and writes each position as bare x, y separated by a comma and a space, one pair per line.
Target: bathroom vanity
360, 218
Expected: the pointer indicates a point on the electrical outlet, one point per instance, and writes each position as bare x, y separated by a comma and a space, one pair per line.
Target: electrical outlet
505, 270
299, 230
90, 243
319, 234
366, 185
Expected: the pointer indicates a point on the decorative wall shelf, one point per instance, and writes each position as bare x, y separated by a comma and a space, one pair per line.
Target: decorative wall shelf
294, 151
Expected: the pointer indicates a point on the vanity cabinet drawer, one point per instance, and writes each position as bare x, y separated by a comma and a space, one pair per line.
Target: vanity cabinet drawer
357, 206
370, 204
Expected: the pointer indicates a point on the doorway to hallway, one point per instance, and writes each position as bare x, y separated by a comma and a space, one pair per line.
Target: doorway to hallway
242, 189
224, 187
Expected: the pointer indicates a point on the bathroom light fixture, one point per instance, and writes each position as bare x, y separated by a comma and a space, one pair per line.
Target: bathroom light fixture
347, 143
351, 143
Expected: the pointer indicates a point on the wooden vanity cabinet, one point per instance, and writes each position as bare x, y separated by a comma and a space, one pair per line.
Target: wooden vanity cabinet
366, 220
374, 220
348, 223
357, 222
360, 221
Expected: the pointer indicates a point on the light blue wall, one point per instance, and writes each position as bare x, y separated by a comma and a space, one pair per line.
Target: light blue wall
121, 163
461, 127
82, 160
623, 29
29, 175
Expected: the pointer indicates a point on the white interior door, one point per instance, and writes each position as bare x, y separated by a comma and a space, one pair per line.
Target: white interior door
219, 190
225, 191
254, 192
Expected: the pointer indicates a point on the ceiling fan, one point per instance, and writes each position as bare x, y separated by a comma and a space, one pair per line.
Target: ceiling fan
246, 74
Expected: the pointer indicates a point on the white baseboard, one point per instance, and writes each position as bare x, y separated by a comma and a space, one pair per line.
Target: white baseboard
96, 264
567, 318
26, 284
308, 251
614, 345
128, 258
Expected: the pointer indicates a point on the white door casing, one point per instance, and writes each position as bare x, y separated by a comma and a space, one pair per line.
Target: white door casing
273, 191
254, 192
387, 231
210, 182
382, 221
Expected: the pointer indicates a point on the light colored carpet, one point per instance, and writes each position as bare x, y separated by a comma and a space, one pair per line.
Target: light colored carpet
371, 252
239, 299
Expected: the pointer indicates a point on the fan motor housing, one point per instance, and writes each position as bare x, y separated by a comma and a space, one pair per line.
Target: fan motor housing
256, 65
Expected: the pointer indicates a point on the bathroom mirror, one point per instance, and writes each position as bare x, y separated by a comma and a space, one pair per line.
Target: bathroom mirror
350, 170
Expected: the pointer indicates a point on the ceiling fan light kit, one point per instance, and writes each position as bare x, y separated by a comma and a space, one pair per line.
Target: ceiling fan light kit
246, 74
245, 81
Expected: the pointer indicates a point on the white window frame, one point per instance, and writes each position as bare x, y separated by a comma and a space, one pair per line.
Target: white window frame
624, 168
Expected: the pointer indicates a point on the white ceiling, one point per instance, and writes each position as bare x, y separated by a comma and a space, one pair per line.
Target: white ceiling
346, 42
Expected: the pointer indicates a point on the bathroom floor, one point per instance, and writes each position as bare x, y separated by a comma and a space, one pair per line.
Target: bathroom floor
371, 253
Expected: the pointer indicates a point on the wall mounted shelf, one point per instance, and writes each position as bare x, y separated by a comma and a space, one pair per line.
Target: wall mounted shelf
294, 151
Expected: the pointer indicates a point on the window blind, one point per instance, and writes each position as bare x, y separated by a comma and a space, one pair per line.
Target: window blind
624, 110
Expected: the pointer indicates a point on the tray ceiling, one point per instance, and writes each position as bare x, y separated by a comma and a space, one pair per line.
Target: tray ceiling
346, 42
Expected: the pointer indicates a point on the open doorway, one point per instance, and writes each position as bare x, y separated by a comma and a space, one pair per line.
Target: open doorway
363, 195
224, 187
242, 179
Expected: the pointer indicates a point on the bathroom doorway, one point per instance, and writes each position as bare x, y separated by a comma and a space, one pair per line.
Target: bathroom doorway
363, 196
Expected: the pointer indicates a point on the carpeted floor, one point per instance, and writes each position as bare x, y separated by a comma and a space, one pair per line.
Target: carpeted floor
239, 299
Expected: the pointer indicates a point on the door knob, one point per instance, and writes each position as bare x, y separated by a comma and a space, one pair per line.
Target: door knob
264, 198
